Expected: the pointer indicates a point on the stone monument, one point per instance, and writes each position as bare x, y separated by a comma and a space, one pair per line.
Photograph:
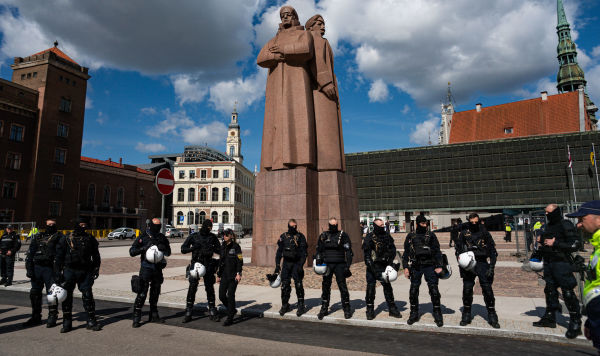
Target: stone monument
302, 173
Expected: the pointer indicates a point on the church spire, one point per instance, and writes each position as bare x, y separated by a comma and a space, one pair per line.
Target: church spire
560, 13
570, 75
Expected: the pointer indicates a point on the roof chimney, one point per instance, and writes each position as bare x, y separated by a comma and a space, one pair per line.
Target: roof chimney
120, 161
109, 159
544, 96
478, 107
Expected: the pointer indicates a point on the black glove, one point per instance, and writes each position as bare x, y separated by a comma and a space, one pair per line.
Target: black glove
319, 261
96, 273
29, 274
29, 269
59, 278
277, 269
490, 272
347, 273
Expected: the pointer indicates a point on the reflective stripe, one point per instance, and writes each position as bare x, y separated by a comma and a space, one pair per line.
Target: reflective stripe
591, 295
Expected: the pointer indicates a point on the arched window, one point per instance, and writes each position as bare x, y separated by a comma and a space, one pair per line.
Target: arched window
106, 197
215, 194
191, 194
225, 194
214, 217
197, 219
203, 194
91, 197
120, 197
202, 217
232, 150
180, 194
225, 217
190, 218
179, 218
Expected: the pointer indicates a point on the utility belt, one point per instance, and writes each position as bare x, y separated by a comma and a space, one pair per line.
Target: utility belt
334, 255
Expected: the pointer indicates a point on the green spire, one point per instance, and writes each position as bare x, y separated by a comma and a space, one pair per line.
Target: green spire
560, 12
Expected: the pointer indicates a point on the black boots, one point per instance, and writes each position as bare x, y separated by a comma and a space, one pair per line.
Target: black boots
67, 324
137, 317
347, 310
493, 318
324, 310
90, 307
370, 300
574, 328
301, 308
52, 316
547, 321
188, 313
284, 309
388, 292
36, 310
437, 316
213, 314
466, 316
414, 314
154, 317
92, 323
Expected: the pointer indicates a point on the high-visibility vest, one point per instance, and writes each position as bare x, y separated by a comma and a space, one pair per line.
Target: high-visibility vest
508, 228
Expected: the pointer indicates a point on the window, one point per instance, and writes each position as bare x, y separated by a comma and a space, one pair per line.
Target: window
62, 130
203, 194
226, 173
67, 80
57, 182
60, 155
192, 174
141, 205
202, 217
141, 192
17, 132
1, 122
190, 217
225, 194
181, 174
231, 150
35, 74
9, 190
203, 174
73, 83
180, 194
120, 197
225, 217
60, 78
508, 130
65, 105
13, 160
214, 217
28, 75
106, 197
179, 218
191, 194
215, 194
197, 218
22, 76
215, 174
91, 197
54, 208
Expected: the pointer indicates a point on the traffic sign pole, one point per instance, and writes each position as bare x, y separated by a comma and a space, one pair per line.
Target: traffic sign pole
162, 215
165, 183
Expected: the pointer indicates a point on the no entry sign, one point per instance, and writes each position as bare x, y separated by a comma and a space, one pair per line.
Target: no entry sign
165, 182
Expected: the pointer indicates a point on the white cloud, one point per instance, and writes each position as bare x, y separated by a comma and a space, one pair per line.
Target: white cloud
426, 131
379, 92
91, 143
149, 147
101, 119
213, 134
89, 103
593, 84
148, 111
189, 89
544, 84
246, 91
596, 51
406, 109
178, 126
246, 132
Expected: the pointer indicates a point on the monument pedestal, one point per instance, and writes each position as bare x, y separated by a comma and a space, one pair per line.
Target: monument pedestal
311, 198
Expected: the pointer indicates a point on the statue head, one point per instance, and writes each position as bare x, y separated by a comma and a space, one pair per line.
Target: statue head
288, 16
316, 23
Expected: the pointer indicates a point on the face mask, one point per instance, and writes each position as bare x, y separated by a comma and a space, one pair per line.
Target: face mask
79, 230
378, 230
51, 229
333, 228
421, 229
292, 229
554, 217
474, 227
155, 228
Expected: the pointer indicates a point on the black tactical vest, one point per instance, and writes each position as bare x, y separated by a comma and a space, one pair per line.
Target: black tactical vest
78, 251
7, 242
476, 242
46, 250
290, 246
421, 246
381, 249
206, 247
334, 248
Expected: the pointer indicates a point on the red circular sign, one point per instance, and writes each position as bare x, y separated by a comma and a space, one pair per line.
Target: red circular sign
165, 182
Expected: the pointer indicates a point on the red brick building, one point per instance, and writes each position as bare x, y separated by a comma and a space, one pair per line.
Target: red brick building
546, 115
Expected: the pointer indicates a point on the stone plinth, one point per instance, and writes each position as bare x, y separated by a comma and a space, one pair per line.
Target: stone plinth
308, 196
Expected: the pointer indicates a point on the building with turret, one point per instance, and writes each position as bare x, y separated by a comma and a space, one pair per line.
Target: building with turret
447, 112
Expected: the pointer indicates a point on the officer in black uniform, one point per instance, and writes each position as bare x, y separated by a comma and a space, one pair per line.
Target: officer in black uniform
10, 243
335, 249
229, 273
40, 268
557, 241
78, 263
294, 250
477, 239
202, 245
379, 251
151, 275
422, 256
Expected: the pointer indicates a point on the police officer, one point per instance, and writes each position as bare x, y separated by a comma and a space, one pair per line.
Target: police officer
379, 251
294, 250
10, 243
422, 256
151, 275
39, 265
78, 263
556, 243
335, 249
230, 273
202, 245
477, 239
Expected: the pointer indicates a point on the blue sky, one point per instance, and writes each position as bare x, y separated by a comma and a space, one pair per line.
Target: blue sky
165, 76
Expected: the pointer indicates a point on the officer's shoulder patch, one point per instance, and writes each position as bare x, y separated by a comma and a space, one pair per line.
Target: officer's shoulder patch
240, 257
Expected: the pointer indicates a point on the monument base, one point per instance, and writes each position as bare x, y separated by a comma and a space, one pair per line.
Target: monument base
311, 198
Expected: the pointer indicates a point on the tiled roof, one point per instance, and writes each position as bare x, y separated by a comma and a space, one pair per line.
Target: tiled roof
114, 164
558, 114
58, 52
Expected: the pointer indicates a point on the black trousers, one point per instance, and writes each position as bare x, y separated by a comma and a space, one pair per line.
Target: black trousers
209, 286
7, 267
150, 278
227, 294
558, 274
338, 270
84, 280
468, 277
593, 321
289, 270
43, 276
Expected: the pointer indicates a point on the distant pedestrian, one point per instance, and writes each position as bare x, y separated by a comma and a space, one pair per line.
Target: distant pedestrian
10, 243
507, 236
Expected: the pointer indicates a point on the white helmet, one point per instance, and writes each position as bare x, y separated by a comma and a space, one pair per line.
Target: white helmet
197, 271
57, 294
319, 269
276, 282
389, 275
536, 264
154, 255
466, 260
